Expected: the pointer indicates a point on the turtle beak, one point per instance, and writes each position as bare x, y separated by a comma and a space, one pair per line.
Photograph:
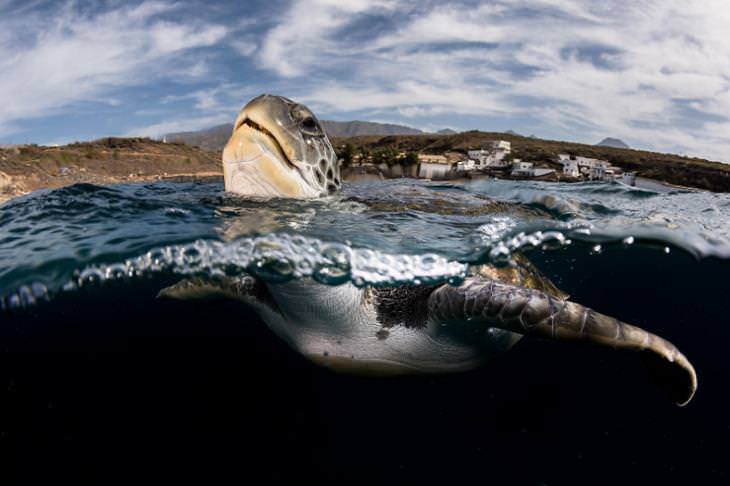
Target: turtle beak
256, 164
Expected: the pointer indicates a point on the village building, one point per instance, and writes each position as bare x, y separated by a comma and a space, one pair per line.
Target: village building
628, 178
492, 156
571, 169
522, 169
592, 169
597, 173
465, 165
528, 169
433, 166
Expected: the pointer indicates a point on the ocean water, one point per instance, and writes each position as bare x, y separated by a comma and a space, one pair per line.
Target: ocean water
102, 382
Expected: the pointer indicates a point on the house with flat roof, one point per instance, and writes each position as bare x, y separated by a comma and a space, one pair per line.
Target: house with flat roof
433, 166
570, 168
593, 169
492, 155
522, 169
466, 165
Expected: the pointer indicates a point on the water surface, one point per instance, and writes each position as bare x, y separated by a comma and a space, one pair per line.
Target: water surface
103, 380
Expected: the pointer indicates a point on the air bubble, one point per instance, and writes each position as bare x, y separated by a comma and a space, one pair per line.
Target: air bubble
500, 251
39, 291
273, 258
90, 276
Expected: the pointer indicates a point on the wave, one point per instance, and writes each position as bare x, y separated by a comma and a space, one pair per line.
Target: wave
392, 233
275, 258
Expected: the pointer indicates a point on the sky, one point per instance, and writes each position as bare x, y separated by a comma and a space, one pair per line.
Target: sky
654, 73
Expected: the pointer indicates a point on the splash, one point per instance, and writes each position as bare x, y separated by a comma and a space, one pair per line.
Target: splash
275, 258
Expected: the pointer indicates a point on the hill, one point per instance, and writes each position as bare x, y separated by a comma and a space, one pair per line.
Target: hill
674, 169
110, 160
612, 142
113, 160
363, 128
215, 138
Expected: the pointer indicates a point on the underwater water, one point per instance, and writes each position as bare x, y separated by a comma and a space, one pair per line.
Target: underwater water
102, 382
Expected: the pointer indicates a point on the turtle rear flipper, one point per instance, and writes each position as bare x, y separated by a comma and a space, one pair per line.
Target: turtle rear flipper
488, 303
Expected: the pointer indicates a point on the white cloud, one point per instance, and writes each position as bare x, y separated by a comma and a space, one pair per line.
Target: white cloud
583, 69
245, 47
655, 73
303, 34
70, 55
157, 130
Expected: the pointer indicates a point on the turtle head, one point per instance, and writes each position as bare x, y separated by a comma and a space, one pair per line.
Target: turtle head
279, 149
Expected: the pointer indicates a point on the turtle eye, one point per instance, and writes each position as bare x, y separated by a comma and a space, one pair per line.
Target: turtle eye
310, 126
306, 121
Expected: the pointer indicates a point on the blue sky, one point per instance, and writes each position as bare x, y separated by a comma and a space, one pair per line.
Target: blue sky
654, 73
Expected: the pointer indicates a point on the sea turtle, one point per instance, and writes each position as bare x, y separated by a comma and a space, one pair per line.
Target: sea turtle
279, 149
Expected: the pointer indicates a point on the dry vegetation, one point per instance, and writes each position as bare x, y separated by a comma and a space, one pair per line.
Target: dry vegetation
674, 169
112, 160
105, 161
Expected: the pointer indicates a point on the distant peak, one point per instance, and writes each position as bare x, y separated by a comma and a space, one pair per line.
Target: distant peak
363, 128
612, 142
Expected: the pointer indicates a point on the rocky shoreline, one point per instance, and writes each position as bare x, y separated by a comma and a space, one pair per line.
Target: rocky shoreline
108, 161
122, 160
668, 168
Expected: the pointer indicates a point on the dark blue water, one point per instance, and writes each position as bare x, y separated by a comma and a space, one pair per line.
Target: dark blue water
103, 383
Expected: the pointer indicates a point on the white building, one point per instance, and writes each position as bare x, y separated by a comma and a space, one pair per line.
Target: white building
588, 162
596, 173
433, 166
433, 171
594, 169
629, 178
570, 168
524, 169
465, 165
584, 161
492, 156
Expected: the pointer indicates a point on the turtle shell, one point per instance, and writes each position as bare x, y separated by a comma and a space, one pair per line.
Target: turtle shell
521, 273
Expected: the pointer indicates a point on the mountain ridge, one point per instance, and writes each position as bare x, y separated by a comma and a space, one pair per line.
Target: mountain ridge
215, 138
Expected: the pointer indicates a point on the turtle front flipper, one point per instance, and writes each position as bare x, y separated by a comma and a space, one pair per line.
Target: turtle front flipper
488, 303
195, 289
